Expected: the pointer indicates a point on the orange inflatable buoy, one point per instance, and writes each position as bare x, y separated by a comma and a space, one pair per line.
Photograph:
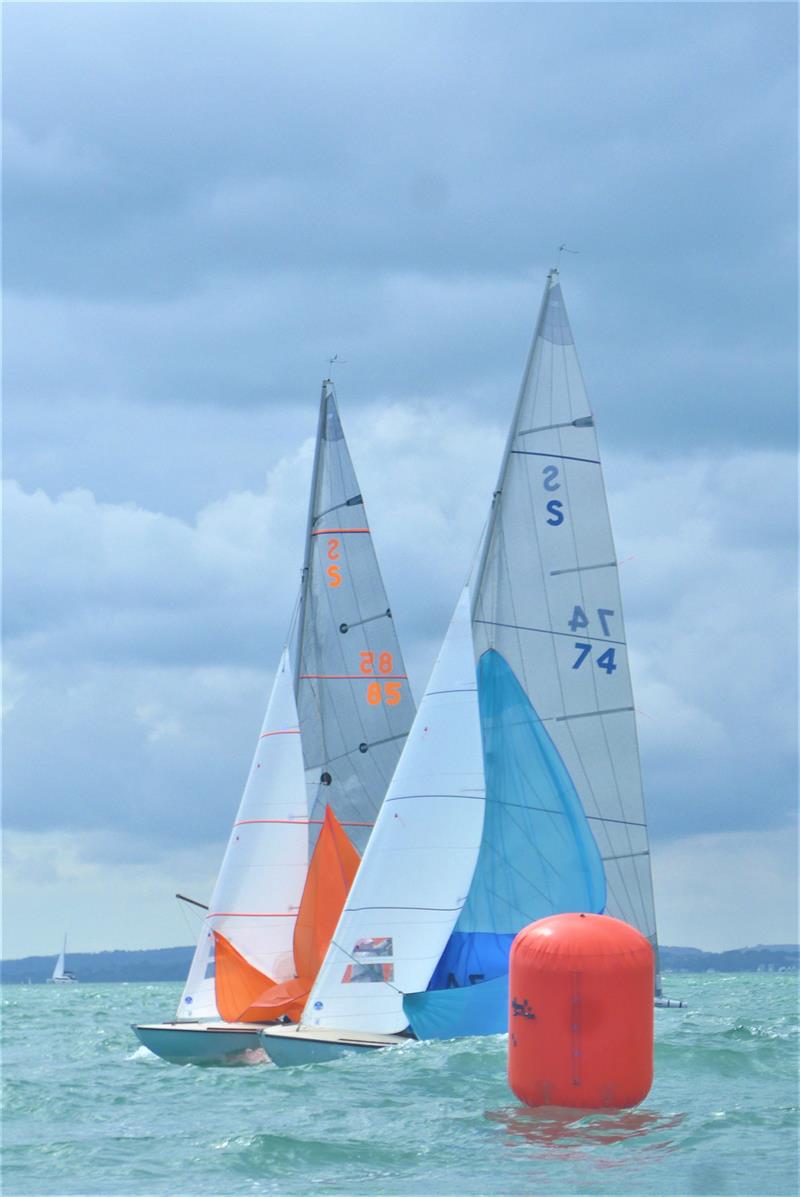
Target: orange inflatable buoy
580, 1017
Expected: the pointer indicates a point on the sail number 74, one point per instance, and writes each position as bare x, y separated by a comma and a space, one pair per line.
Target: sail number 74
604, 661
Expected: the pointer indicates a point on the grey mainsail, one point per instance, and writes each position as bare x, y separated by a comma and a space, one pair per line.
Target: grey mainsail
353, 697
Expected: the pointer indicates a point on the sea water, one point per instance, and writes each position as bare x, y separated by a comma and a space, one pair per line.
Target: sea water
87, 1111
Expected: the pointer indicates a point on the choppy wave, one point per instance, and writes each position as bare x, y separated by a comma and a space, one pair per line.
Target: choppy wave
88, 1111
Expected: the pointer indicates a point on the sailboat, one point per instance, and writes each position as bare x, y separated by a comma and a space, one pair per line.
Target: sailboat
62, 975
518, 794
337, 719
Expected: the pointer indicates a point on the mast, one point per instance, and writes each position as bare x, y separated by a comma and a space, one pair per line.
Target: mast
512, 432
312, 502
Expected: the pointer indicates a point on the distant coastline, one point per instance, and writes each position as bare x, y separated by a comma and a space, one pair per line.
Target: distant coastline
172, 964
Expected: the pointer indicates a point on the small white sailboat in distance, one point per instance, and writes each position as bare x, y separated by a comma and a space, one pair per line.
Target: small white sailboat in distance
62, 975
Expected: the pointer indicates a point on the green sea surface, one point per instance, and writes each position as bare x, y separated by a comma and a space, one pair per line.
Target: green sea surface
88, 1111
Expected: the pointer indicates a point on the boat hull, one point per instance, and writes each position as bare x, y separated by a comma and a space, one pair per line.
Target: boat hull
202, 1043
289, 1047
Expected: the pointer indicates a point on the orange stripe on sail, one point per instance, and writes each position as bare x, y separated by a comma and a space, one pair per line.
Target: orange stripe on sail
356, 677
298, 822
238, 914
290, 731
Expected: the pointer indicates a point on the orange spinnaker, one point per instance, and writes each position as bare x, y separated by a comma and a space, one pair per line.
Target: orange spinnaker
244, 994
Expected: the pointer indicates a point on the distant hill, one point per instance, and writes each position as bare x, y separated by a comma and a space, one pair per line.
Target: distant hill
762, 958
148, 964
172, 964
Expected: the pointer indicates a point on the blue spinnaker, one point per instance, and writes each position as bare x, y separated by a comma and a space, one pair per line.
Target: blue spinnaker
452, 1013
537, 857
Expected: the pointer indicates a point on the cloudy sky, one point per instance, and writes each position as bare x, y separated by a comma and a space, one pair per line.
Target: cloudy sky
203, 203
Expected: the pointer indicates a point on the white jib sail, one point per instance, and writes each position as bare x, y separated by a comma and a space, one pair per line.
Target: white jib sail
417, 867
58, 971
260, 882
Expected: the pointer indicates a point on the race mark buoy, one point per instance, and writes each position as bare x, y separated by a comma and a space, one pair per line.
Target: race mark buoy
580, 1018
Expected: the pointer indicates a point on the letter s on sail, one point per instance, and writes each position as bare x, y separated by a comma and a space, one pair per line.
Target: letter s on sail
554, 507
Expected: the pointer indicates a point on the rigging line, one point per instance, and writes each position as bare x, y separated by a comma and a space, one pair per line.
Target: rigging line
410, 797
341, 756
312, 499
623, 822
591, 714
459, 690
627, 855
424, 909
293, 621
495, 802
362, 677
331, 531
295, 823
521, 627
193, 931
354, 501
385, 740
345, 627
355, 960
578, 569
560, 456
191, 901
581, 422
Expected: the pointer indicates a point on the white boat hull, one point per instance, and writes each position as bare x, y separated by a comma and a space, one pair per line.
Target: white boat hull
202, 1043
289, 1046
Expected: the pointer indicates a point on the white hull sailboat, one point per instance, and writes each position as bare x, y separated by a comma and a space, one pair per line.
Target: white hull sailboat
518, 794
337, 719
61, 974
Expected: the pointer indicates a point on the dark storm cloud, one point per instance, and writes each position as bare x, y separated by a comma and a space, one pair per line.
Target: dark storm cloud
202, 201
